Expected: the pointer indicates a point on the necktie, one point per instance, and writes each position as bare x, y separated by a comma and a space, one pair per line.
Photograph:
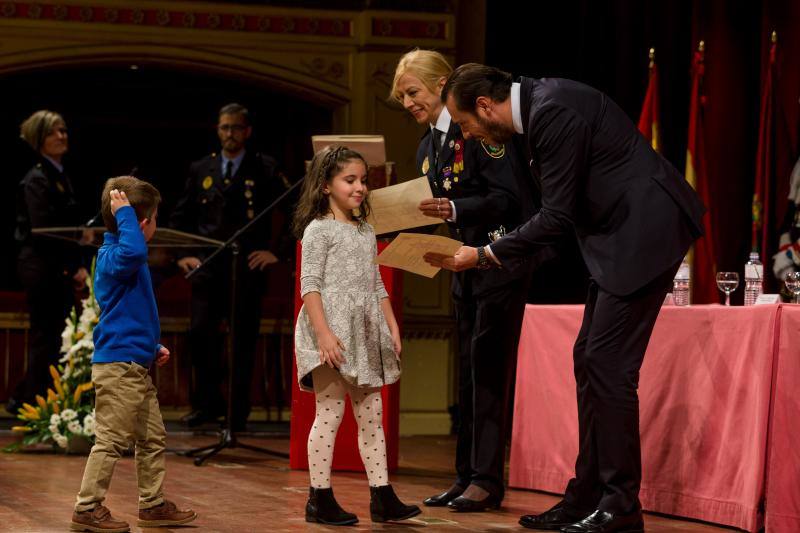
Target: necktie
437, 145
228, 172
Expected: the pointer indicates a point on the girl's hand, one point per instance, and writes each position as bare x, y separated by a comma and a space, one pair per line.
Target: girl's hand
330, 349
396, 342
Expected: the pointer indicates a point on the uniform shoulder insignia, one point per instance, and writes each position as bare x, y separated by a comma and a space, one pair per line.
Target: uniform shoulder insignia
495, 152
38, 165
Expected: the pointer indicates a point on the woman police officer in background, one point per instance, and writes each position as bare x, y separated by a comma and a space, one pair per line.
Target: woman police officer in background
49, 269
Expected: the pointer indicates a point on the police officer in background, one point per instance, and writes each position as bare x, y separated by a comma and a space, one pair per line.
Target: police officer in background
223, 192
49, 269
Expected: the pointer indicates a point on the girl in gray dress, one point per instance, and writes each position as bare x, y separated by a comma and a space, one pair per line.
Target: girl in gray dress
346, 338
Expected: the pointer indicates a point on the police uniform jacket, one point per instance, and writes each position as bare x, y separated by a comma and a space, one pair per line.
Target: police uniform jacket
45, 198
214, 207
480, 181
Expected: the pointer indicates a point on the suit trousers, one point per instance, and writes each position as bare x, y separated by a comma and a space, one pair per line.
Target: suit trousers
489, 329
210, 307
126, 411
607, 357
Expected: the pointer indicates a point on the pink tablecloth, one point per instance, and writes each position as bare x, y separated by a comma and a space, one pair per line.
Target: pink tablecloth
705, 391
783, 463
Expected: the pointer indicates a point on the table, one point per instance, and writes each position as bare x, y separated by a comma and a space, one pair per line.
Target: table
716, 410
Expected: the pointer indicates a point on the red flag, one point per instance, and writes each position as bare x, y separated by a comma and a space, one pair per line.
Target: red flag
704, 289
648, 120
765, 160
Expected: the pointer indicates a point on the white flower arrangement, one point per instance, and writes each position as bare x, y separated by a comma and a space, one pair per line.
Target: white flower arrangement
67, 411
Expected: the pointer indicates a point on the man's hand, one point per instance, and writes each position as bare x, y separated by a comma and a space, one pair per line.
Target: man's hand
79, 278
260, 259
330, 349
163, 356
466, 257
436, 207
187, 264
118, 199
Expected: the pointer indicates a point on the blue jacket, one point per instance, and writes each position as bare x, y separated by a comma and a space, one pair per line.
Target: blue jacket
128, 330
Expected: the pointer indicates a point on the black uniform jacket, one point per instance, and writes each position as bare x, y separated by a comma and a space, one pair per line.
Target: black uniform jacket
45, 199
633, 213
213, 208
481, 182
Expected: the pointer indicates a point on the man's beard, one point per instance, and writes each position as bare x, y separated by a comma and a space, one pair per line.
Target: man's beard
497, 131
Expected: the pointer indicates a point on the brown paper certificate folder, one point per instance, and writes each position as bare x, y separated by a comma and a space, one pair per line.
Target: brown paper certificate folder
396, 208
408, 249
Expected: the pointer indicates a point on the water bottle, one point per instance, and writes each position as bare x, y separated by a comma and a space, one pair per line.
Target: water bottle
753, 279
682, 284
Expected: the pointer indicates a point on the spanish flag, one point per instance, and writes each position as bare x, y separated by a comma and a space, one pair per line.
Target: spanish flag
703, 259
648, 120
765, 160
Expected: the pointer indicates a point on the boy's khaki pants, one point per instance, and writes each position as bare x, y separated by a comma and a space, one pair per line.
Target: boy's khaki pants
126, 410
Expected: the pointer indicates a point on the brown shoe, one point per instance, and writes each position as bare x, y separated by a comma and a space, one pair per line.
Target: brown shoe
166, 514
98, 520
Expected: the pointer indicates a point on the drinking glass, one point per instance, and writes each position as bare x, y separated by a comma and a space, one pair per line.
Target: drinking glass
792, 282
727, 283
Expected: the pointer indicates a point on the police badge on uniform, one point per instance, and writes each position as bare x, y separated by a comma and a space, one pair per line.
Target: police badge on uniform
208, 181
426, 165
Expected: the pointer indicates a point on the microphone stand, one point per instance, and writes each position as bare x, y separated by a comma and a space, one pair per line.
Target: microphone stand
227, 434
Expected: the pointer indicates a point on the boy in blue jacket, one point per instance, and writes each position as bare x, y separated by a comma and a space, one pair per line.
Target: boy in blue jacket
125, 345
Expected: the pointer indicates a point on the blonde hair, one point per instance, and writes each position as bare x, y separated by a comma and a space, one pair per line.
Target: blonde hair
427, 65
38, 126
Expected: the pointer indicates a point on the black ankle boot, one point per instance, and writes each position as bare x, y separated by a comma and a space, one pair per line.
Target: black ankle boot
322, 508
385, 505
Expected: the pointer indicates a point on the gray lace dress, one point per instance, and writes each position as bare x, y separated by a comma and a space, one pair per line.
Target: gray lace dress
337, 262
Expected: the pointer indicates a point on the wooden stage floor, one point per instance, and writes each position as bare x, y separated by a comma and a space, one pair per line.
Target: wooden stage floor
241, 492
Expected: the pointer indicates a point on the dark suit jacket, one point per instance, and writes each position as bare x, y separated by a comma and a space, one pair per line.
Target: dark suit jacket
213, 209
633, 213
486, 195
45, 198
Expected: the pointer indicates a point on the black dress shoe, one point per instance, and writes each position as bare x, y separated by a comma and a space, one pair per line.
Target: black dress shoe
553, 519
440, 500
465, 505
604, 522
198, 418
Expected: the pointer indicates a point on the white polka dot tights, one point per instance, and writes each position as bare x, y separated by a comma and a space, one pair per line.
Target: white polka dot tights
330, 390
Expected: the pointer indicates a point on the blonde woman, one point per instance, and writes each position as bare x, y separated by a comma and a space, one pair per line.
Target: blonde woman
48, 269
476, 194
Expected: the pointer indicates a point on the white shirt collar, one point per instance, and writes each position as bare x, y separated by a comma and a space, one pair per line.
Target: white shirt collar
236, 161
443, 122
55, 163
516, 110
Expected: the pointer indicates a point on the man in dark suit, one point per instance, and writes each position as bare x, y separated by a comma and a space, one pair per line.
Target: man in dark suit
634, 217
223, 192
